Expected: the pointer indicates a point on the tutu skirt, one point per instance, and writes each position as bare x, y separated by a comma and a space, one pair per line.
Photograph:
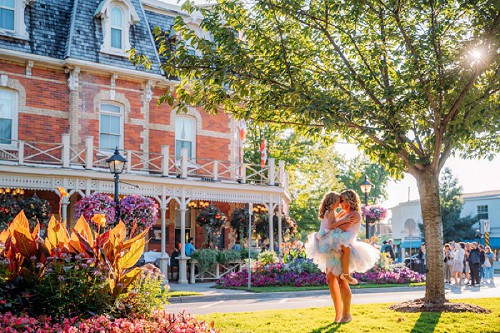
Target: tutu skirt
325, 251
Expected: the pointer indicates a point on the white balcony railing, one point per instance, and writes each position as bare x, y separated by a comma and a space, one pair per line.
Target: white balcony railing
165, 164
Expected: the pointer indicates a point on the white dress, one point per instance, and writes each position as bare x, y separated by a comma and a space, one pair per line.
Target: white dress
324, 247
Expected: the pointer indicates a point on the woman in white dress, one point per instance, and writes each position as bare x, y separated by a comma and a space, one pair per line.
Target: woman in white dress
328, 254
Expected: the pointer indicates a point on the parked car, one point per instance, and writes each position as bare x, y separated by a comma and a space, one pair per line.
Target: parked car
413, 263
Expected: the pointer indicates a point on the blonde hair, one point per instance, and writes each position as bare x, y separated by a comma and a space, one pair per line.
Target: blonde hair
329, 199
352, 198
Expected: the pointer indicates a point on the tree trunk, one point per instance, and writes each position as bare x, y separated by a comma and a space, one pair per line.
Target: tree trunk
428, 188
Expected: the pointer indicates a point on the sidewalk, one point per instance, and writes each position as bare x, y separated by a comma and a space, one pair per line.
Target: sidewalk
209, 294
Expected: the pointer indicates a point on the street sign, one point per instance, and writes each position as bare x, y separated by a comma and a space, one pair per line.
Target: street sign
484, 225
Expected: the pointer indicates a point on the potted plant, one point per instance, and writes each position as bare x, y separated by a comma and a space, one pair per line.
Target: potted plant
212, 219
141, 210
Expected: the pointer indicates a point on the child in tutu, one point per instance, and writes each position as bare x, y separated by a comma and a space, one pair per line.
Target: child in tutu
333, 236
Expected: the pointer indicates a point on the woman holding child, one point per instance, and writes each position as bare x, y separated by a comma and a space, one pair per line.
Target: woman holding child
335, 250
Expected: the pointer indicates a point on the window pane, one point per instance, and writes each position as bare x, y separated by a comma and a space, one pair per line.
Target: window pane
114, 125
104, 125
182, 144
103, 141
110, 108
114, 141
5, 131
116, 38
6, 19
6, 104
116, 17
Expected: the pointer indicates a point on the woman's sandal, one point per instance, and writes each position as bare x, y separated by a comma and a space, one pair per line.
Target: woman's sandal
348, 278
345, 321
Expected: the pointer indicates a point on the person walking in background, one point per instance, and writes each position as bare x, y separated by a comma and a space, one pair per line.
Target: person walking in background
466, 264
389, 249
474, 264
421, 257
482, 260
488, 265
458, 262
448, 263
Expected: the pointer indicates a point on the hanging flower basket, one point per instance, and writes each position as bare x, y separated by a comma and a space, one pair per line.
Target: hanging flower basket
97, 203
374, 212
211, 218
142, 210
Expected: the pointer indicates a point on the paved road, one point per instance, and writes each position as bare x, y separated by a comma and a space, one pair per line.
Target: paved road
277, 301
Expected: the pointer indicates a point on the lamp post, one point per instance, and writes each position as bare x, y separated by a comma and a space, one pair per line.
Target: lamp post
116, 164
366, 186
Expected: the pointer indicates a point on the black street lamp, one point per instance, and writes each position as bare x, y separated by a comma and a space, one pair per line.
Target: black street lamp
116, 164
366, 186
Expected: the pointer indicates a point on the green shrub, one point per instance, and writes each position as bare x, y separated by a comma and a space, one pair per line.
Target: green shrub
229, 255
253, 254
207, 259
307, 266
70, 287
148, 294
267, 257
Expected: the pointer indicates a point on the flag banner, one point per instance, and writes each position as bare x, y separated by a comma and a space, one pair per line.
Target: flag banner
243, 129
263, 153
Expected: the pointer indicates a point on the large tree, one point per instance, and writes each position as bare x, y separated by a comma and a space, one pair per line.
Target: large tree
410, 82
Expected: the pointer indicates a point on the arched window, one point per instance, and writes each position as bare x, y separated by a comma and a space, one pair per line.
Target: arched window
110, 127
117, 16
116, 28
185, 135
8, 116
411, 228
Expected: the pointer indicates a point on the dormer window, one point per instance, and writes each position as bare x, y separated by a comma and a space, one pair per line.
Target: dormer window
117, 17
12, 18
116, 28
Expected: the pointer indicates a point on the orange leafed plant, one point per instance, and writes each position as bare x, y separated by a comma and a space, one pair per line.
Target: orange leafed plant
112, 247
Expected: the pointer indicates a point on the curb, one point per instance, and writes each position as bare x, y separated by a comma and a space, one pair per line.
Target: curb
279, 295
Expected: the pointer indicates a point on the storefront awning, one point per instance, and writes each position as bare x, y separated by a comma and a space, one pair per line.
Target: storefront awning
411, 244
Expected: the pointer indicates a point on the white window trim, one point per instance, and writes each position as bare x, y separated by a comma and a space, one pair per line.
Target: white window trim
15, 122
122, 127
130, 18
193, 147
20, 31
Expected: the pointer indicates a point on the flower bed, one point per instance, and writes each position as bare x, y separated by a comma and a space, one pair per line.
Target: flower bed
395, 274
305, 273
158, 321
277, 274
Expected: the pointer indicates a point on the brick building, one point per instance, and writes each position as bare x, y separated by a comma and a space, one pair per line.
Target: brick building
69, 96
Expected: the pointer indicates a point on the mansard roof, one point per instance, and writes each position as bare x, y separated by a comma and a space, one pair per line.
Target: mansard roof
72, 29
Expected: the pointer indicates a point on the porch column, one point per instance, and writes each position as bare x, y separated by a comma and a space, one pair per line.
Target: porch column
270, 214
64, 210
164, 260
182, 258
280, 231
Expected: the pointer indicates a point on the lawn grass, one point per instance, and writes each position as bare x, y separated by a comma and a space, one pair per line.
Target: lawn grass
367, 318
183, 293
274, 289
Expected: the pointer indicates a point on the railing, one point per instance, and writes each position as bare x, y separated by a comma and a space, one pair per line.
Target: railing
163, 164
219, 271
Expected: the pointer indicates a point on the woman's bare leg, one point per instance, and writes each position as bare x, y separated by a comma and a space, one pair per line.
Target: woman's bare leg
333, 285
345, 294
346, 256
